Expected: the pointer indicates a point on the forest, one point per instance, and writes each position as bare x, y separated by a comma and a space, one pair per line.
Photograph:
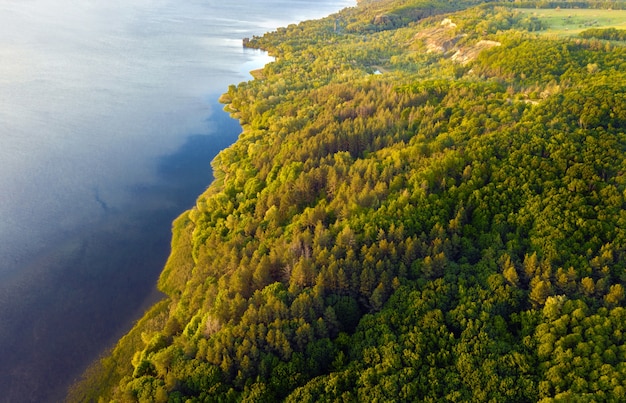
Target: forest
426, 203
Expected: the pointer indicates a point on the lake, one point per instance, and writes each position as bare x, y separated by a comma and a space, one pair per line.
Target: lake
108, 123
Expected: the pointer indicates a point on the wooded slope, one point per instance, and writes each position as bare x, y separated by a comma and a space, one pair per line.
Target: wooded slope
426, 203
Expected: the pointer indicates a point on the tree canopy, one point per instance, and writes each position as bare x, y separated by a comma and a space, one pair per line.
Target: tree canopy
427, 203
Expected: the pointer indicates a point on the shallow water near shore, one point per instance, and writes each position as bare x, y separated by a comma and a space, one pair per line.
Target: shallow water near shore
108, 124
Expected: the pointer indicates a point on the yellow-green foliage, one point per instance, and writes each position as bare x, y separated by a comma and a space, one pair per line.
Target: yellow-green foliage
450, 229
180, 263
100, 381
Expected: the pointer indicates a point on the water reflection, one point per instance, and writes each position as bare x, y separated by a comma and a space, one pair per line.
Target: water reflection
70, 297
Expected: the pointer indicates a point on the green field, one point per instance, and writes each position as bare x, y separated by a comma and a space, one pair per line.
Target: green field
567, 22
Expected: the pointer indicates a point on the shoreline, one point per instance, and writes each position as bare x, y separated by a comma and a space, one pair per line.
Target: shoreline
169, 165
75, 386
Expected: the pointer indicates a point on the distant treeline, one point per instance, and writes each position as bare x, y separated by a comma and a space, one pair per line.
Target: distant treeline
611, 34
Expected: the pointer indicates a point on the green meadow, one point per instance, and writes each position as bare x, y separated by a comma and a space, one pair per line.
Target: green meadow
567, 22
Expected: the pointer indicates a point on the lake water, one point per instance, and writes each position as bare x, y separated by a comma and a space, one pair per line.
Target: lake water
108, 122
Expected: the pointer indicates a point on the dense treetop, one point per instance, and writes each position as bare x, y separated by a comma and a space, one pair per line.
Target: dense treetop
427, 202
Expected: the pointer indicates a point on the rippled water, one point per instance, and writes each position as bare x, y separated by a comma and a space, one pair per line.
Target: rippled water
108, 122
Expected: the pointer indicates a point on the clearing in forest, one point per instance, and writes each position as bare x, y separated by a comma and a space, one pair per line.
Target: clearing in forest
572, 21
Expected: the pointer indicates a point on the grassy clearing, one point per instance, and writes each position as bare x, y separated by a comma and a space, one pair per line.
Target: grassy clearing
569, 22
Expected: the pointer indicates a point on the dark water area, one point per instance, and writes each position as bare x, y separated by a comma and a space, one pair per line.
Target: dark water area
178, 168
76, 293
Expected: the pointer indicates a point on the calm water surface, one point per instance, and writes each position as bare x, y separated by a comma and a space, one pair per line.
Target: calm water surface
108, 122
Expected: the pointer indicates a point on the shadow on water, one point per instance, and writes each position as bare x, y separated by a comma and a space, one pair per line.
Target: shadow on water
74, 301
187, 171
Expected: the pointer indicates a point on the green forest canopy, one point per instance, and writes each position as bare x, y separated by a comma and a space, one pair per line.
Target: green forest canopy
427, 202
